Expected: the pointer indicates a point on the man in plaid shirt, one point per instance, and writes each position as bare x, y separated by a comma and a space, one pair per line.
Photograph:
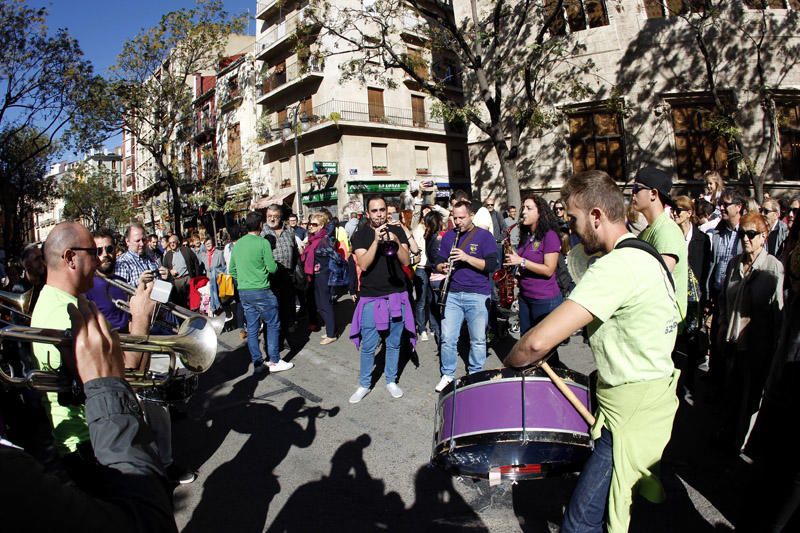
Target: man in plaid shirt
284, 250
136, 261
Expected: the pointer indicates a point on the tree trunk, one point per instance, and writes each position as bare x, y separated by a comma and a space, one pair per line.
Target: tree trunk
510, 175
177, 208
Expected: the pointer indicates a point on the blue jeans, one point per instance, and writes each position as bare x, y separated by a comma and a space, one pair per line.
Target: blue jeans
531, 312
370, 337
262, 304
423, 298
476, 308
587, 506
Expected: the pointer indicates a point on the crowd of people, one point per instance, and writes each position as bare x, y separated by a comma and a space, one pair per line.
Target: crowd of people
674, 289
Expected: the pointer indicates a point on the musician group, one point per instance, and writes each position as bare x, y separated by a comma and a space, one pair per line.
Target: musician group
640, 302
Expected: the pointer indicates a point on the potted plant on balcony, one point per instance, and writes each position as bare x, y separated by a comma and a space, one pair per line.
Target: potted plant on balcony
263, 129
377, 169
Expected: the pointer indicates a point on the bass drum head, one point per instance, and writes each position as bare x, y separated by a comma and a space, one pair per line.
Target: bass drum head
480, 432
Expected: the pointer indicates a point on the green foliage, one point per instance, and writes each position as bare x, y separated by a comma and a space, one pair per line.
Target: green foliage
89, 196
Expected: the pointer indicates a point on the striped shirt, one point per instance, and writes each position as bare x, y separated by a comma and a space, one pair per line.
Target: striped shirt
130, 266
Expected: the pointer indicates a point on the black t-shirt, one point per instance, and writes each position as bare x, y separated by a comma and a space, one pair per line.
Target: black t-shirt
385, 274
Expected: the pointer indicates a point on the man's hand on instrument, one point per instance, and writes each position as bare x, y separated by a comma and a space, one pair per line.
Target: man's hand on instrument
457, 254
442, 268
141, 305
379, 232
97, 350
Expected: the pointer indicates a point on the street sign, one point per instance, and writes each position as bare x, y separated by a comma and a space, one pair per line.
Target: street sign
326, 167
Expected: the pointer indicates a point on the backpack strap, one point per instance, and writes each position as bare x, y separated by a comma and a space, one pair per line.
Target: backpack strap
646, 247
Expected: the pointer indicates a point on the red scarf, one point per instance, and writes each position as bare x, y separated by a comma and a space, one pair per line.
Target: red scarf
307, 257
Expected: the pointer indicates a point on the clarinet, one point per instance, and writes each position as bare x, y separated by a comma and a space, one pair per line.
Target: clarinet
446, 281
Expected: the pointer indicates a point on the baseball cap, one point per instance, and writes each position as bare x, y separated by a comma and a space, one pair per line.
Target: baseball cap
658, 180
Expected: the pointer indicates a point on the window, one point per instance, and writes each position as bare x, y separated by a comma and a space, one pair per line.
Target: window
596, 142
418, 63
380, 159
788, 114
308, 163
187, 162
457, 164
282, 117
286, 169
575, 15
421, 160
772, 4
698, 147
306, 107
234, 148
418, 111
375, 103
662, 8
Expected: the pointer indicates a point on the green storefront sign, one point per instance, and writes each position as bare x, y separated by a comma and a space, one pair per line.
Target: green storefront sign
322, 195
326, 167
377, 187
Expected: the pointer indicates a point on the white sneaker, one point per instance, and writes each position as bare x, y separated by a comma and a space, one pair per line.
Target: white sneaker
280, 366
359, 394
394, 390
444, 382
703, 367
423, 336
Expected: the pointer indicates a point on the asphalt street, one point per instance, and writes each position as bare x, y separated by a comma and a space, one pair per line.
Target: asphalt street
287, 452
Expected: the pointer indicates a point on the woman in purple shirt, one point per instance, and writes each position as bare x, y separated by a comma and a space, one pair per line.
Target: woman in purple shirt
537, 259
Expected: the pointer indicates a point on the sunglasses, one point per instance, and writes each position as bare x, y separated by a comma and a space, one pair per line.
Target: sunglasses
100, 249
558, 208
676, 211
313, 224
93, 251
639, 187
750, 233
765, 212
725, 205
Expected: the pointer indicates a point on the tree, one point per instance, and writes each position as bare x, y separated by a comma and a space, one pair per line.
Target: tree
153, 75
50, 99
512, 60
23, 167
89, 195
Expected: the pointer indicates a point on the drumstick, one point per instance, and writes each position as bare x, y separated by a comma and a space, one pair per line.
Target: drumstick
568, 394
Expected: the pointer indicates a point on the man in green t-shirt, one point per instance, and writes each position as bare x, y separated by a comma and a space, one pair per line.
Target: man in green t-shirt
627, 303
650, 194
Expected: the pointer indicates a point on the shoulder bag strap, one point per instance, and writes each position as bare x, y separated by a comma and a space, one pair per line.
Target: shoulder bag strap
645, 247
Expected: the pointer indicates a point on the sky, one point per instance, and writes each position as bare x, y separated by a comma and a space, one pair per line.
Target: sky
101, 27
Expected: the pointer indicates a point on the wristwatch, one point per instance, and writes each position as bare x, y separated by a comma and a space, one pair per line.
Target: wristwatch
522, 264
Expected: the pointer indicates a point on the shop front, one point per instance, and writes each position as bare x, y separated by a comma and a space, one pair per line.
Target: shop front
321, 198
360, 191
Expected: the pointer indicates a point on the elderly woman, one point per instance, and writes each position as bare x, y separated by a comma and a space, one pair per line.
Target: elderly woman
750, 303
314, 259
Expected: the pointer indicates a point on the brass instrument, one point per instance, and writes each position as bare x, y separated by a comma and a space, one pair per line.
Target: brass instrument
445, 287
19, 303
217, 322
505, 277
195, 344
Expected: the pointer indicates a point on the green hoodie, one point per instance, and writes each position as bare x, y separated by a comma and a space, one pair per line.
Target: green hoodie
252, 262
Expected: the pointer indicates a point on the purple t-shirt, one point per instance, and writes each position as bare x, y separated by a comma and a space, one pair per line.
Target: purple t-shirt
103, 294
465, 278
534, 286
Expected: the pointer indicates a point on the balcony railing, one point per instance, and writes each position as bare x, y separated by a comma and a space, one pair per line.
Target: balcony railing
261, 5
281, 30
204, 126
292, 72
337, 110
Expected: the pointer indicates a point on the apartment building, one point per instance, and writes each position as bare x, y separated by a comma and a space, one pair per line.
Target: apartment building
335, 141
652, 103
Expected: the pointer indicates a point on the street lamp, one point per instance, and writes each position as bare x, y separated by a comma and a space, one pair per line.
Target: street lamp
287, 129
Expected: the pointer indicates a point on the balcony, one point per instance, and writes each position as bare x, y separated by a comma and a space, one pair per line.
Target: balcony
291, 78
204, 127
414, 27
266, 7
229, 99
276, 39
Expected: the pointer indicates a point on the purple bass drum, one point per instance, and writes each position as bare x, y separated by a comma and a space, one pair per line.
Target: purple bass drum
508, 425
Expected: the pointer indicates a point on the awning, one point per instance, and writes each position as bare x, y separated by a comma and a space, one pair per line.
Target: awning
279, 198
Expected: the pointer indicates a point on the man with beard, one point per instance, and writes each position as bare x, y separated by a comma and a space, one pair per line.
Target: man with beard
102, 292
627, 301
284, 251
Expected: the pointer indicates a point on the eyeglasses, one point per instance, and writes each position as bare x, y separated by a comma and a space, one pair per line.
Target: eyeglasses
639, 187
725, 205
676, 211
750, 233
764, 211
93, 251
108, 249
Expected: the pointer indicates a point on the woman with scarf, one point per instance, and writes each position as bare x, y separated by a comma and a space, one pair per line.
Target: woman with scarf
315, 258
751, 302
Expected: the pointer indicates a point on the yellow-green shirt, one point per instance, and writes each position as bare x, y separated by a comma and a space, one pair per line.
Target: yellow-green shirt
635, 316
69, 423
667, 238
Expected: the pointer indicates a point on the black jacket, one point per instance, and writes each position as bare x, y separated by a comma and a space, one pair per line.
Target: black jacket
192, 263
700, 258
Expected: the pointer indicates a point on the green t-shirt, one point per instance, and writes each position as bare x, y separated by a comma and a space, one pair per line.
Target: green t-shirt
636, 318
667, 238
69, 423
252, 262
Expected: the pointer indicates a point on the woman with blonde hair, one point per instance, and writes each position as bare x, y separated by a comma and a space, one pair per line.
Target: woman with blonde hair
315, 265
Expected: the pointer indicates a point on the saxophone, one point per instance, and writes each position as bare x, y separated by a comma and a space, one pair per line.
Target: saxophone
505, 277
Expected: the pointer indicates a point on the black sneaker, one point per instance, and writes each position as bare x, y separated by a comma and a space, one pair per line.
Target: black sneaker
180, 474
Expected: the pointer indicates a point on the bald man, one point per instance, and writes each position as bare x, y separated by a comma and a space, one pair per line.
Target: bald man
70, 255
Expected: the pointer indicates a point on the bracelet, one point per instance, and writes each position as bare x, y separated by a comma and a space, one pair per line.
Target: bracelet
522, 264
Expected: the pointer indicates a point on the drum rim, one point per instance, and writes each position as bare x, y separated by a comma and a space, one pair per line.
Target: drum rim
486, 376
448, 391
532, 432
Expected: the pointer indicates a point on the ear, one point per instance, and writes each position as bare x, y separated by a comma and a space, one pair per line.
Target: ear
69, 256
595, 214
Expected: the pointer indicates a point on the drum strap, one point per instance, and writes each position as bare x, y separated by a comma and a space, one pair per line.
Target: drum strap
453, 418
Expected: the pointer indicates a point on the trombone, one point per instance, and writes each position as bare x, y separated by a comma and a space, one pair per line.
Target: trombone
217, 322
19, 303
195, 344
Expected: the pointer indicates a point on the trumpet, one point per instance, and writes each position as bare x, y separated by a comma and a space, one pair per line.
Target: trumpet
195, 344
217, 322
19, 303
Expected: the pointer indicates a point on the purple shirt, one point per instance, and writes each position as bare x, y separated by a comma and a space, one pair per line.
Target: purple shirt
385, 309
466, 278
103, 294
535, 286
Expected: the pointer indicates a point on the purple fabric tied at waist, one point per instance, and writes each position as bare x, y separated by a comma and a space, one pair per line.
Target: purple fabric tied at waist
385, 309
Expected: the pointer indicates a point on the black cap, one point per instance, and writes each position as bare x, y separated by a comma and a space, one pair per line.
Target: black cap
658, 180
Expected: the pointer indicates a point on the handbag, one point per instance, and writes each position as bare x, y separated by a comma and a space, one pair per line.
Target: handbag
299, 278
225, 285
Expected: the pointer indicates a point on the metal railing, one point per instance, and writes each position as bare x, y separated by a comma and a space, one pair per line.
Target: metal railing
281, 30
292, 72
336, 110
261, 5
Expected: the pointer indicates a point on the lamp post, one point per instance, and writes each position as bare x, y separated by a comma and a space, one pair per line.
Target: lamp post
289, 128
